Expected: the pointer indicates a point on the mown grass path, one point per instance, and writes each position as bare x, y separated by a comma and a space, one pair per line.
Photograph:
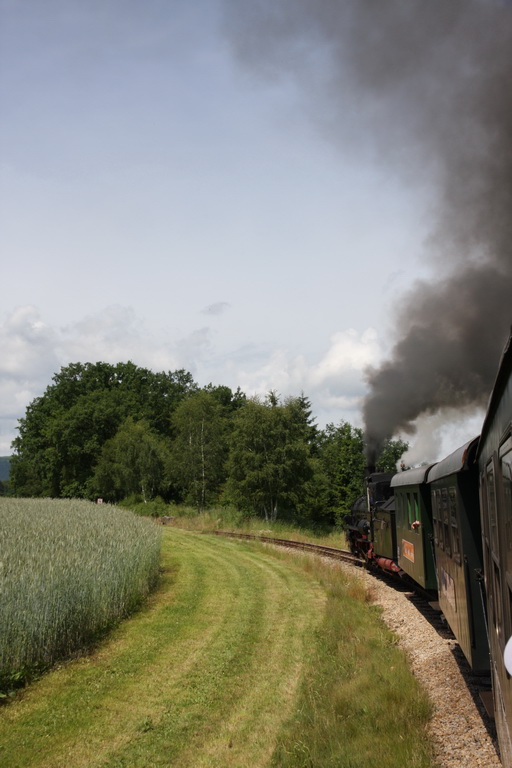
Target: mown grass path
205, 675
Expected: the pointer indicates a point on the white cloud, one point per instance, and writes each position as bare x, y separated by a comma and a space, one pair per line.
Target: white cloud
216, 309
335, 384
349, 354
113, 335
31, 351
27, 361
26, 344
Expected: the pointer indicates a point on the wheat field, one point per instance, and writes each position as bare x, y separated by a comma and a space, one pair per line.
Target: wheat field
69, 570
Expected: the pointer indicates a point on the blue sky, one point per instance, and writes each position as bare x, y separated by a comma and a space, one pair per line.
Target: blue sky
161, 203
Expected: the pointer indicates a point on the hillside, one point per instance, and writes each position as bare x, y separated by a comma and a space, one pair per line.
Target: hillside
4, 468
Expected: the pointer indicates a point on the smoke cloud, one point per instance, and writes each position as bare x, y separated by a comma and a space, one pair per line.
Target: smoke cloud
430, 82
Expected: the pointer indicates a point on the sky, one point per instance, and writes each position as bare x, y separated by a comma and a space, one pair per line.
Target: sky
162, 203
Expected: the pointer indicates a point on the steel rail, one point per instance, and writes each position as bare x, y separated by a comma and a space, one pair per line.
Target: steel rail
318, 549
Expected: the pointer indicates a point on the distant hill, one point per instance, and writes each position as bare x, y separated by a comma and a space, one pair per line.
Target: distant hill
4, 467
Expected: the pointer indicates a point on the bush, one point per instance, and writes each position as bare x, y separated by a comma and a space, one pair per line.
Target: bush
155, 508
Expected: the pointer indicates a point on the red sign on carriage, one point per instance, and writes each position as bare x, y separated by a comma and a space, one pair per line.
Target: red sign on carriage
408, 550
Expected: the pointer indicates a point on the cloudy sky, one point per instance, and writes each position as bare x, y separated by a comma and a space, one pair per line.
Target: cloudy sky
163, 203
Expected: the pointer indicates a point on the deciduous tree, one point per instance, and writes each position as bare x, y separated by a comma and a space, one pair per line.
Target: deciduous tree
270, 459
343, 462
131, 462
201, 425
390, 455
64, 430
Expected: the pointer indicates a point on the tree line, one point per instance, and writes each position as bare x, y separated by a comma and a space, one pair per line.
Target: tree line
118, 431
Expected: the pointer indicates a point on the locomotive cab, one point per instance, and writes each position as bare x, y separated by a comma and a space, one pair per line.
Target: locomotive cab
371, 525
357, 526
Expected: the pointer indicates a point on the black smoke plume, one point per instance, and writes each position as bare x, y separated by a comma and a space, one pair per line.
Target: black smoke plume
431, 82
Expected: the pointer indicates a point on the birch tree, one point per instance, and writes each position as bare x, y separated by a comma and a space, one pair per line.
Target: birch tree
199, 451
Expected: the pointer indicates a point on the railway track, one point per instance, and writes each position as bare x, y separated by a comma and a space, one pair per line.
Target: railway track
318, 549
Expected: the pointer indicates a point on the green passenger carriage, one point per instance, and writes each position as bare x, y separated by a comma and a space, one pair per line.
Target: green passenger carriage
414, 526
494, 458
453, 485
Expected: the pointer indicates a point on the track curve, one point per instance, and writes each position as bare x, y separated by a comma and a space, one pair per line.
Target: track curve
318, 549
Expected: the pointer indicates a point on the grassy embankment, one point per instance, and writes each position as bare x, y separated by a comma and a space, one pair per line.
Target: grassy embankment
243, 657
230, 519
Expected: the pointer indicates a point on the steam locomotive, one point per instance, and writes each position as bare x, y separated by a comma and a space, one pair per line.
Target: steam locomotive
448, 527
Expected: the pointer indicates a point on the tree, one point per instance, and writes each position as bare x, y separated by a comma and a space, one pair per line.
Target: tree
390, 455
131, 462
343, 462
225, 396
63, 432
304, 414
201, 424
270, 459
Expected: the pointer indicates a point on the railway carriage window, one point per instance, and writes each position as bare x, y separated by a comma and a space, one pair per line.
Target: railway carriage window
412, 512
434, 517
491, 508
506, 468
506, 473
403, 510
436, 510
498, 608
452, 500
483, 507
486, 541
399, 513
416, 509
440, 519
445, 517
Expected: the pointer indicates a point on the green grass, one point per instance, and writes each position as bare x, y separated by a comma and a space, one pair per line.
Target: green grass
231, 519
69, 571
359, 705
245, 658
